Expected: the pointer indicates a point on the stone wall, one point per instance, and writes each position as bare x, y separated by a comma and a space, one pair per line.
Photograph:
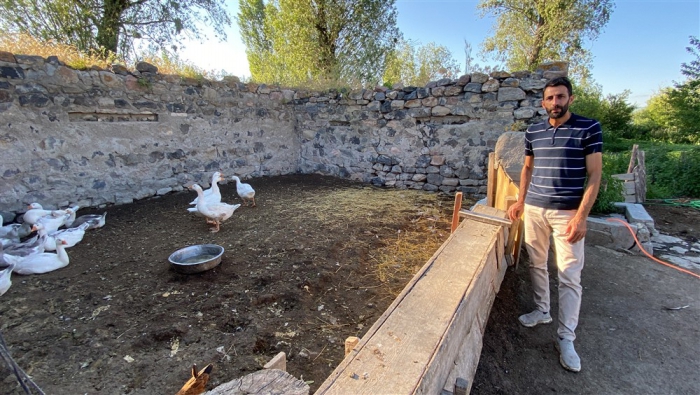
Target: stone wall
98, 137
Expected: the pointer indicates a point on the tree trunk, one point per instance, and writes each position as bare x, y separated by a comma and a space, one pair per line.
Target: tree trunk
108, 28
533, 58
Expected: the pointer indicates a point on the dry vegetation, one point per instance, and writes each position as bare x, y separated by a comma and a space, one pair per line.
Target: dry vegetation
24, 44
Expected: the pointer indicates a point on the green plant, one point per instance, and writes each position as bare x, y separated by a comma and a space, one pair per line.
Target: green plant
610, 191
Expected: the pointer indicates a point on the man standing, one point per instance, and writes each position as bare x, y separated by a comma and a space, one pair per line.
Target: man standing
558, 186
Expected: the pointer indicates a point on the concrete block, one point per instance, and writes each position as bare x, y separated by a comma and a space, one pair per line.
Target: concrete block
610, 234
636, 213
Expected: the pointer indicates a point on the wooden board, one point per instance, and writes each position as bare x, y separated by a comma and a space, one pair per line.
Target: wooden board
413, 344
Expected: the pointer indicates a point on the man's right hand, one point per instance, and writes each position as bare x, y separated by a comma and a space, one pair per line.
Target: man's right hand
516, 210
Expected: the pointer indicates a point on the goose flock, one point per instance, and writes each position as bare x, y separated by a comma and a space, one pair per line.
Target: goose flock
209, 205
45, 251
57, 230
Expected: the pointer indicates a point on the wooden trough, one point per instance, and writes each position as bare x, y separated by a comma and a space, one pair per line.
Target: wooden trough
429, 339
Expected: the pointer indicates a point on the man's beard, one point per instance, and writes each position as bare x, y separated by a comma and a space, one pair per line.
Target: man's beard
562, 110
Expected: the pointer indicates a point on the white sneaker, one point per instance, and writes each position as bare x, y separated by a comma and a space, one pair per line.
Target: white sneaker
534, 318
567, 355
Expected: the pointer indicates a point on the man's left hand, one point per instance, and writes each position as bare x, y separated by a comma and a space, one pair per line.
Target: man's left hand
576, 229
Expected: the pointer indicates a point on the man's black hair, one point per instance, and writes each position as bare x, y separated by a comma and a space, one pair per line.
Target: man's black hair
559, 81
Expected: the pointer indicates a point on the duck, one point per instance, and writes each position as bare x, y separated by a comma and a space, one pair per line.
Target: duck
198, 382
51, 223
94, 221
5, 281
216, 212
213, 194
245, 191
70, 236
44, 262
34, 212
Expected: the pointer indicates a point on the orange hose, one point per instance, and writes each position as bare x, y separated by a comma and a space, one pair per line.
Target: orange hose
649, 255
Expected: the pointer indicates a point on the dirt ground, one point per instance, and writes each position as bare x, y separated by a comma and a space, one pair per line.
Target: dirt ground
319, 259
638, 327
301, 272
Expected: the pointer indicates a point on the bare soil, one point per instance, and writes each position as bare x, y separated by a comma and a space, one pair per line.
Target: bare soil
319, 259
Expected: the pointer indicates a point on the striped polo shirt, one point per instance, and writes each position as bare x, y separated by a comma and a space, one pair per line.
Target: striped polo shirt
559, 174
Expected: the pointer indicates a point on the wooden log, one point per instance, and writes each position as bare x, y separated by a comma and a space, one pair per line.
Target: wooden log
492, 182
263, 382
455, 211
512, 232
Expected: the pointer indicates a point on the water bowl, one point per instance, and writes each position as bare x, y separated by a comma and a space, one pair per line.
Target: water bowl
196, 258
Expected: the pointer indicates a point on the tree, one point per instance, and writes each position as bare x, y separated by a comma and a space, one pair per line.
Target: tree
673, 115
416, 65
295, 41
612, 111
530, 32
113, 25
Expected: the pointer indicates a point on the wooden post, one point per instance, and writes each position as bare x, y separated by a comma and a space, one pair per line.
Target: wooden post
492, 182
640, 178
633, 158
350, 343
455, 212
512, 232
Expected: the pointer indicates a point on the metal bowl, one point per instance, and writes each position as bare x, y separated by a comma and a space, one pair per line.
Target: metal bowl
197, 258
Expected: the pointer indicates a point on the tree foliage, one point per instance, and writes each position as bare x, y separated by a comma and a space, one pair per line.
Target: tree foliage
530, 32
416, 65
113, 25
673, 115
296, 41
613, 111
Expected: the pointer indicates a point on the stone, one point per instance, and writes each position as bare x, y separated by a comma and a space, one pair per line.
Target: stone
472, 87
145, 67
439, 111
491, 85
119, 69
479, 78
506, 94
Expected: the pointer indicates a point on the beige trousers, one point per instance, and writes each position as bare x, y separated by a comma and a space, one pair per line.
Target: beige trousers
540, 224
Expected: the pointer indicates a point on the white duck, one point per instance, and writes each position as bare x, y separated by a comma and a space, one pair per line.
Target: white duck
51, 223
35, 212
245, 191
70, 236
213, 194
44, 262
5, 280
216, 212
94, 221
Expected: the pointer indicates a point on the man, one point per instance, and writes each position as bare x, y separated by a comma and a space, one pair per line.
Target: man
558, 186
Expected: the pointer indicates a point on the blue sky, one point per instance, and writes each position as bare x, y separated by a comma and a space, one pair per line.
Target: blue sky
640, 49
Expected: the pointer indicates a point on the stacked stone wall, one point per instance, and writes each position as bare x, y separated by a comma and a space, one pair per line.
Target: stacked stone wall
99, 137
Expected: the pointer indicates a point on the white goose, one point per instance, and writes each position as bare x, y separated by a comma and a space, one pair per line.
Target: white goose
72, 211
94, 221
44, 262
70, 236
245, 191
35, 245
35, 212
51, 223
216, 212
5, 281
213, 194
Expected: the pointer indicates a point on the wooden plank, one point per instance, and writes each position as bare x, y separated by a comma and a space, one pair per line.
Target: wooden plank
467, 357
465, 319
350, 344
486, 218
455, 211
492, 181
489, 210
398, 348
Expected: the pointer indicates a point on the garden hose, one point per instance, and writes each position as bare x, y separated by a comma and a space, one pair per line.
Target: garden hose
676, 202
649, 255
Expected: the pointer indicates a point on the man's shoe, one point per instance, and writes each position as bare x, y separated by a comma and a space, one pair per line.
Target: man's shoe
534, 318
567, 355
